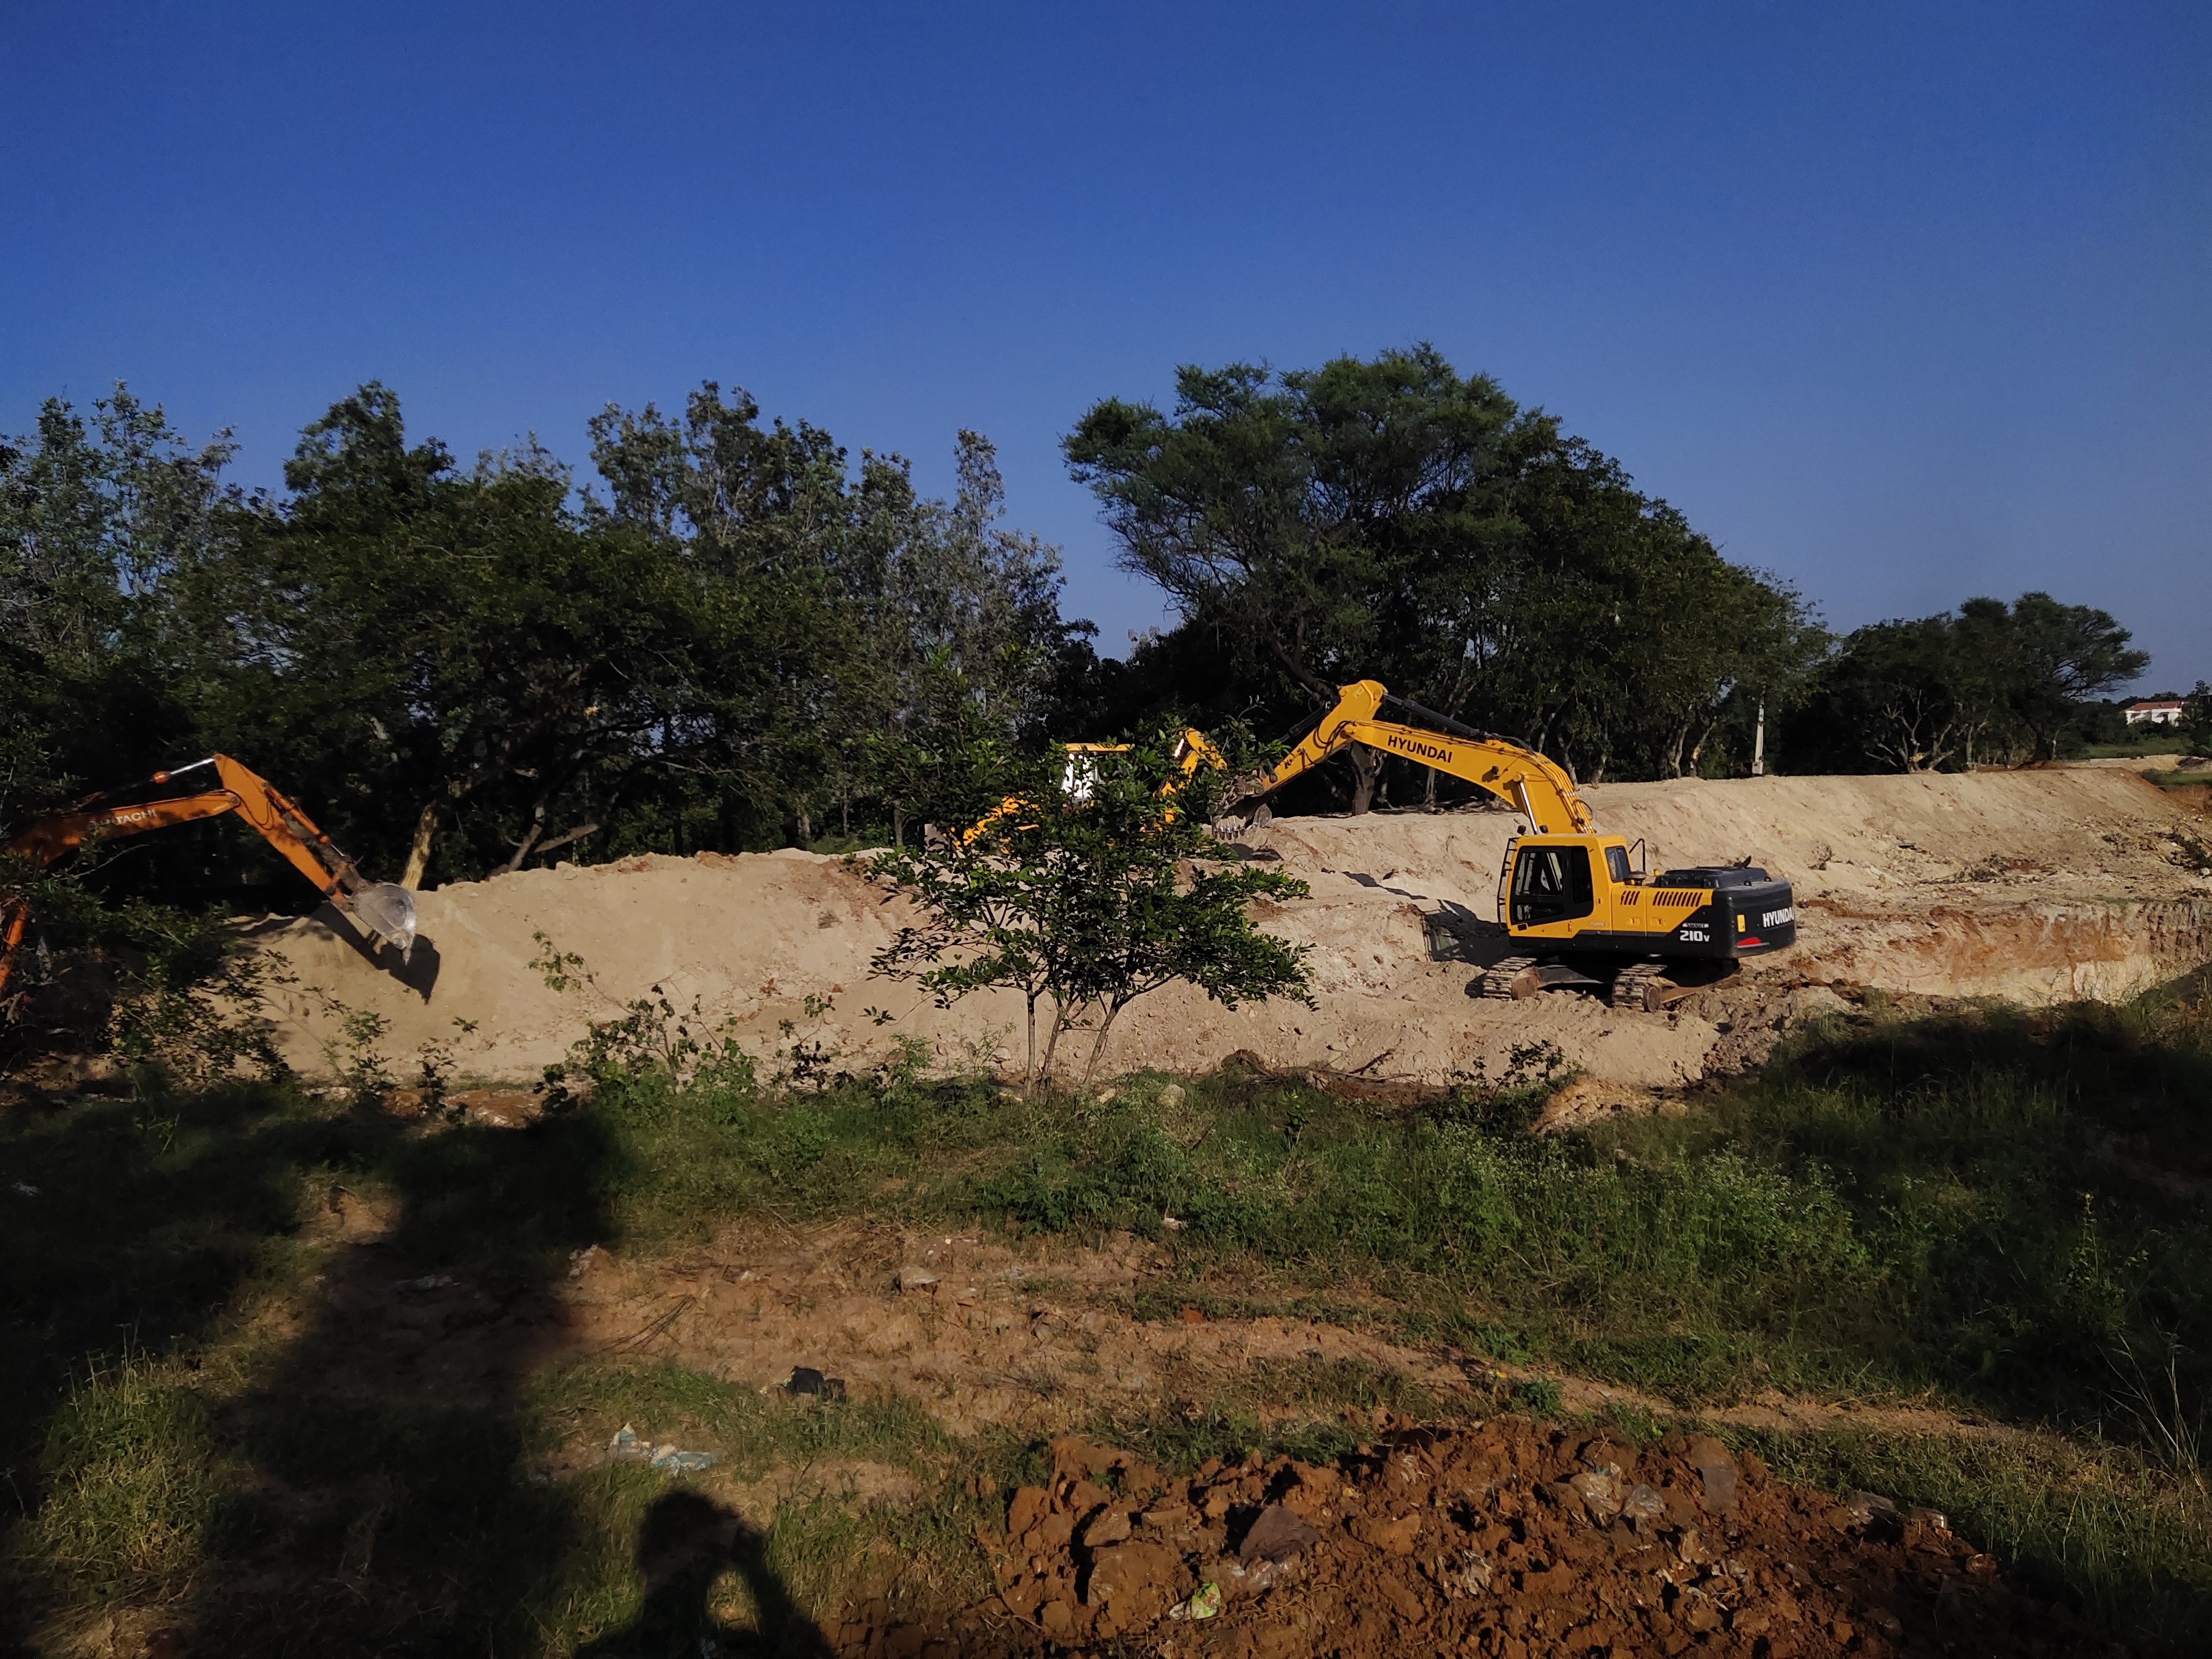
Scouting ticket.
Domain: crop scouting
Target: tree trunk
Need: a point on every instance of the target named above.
(1366, 767)
(418, 851)
(1051, 1046)
(522, 850)
(898, 826)
(1030, 1069)
(1098, 1045)
(1429, 794)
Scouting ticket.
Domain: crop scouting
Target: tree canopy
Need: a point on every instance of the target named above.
(736, 634)
(1394, 519)
(1991, 683)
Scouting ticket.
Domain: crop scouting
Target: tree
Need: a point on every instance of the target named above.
(1394, 519)
(2197, 718)
(1313, 521)
(884, 628)
(95, 517)
(1088, 903)
(424, 643)
(2063, 655)
(1993, 682)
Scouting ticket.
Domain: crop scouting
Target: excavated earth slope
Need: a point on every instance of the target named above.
(1513, 1539)
(2036, 887)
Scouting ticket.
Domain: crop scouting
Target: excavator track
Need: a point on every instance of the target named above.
(1497, 980)
(1639, 987)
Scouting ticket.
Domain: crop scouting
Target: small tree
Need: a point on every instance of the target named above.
(1087, 900)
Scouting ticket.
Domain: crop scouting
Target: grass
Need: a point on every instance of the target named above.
(2000, 1212)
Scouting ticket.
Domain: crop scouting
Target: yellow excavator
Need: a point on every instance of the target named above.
(1192, 750)
(382, 910)
(1578, 913)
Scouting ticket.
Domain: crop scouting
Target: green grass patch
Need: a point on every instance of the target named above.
(2131, 1541)
(2004, 1211)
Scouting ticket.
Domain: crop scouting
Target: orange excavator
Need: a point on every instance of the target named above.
(383, 911)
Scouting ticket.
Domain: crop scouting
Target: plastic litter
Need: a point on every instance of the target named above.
(24, 1188)
(428, 1282)
(630, 1447)
(804, 1379)
(1203, 1605)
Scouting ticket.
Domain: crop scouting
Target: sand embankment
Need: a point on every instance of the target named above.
(2037, 886)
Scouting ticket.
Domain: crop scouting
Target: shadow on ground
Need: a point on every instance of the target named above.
(350, 1470)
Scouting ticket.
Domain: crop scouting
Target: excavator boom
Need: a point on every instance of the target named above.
(1532, 784)
(384, 911)
(1566, 894)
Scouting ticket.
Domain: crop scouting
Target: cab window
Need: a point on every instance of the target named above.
(1551, 883)
(1616, 862)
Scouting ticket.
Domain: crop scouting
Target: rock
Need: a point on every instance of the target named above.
(1111, 1527)
(913, 1280)
(1276, 1534)
(1642, 1508)
(805, 1380)
(1716, 1467)
(1600, 1490)
(1171, 1097)
(1136, 1580)
(1030, 1505)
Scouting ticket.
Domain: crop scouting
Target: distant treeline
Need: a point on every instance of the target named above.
(736, 637)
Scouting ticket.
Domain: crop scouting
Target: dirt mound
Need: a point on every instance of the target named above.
(2037, 886)
(1512, 1539)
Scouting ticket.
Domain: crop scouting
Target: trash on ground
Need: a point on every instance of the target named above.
(1203, 1605)
(630, 1447)
(805, 1380)
(428, 1282)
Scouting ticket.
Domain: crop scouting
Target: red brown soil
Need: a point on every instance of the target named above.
(1514, 1539)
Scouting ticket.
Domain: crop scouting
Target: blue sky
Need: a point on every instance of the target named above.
(1906, 303)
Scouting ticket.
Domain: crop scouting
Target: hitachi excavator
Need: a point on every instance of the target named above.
(382, 910)
(1577, 913)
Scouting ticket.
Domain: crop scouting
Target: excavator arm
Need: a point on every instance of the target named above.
(1532, 785)
(384, 911)
(1192, 750)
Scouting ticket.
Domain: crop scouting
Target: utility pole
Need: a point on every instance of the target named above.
(1759, 743)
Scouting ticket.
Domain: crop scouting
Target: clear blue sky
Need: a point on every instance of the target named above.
(1907, 303)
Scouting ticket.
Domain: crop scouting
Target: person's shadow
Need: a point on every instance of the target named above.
(685, 1544)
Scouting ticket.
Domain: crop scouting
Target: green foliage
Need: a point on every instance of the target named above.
(1087, 894)
(2197, 718)
(2131, 1542)
(1390, 519)
(1993, 682)
(460, 670)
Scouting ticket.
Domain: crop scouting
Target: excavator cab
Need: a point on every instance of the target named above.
(1551, 883)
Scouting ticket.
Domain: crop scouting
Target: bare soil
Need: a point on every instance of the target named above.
(1511, 1538)
(2038, 886)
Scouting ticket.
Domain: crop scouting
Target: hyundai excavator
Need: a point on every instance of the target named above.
(1578, 913)
(383, 911)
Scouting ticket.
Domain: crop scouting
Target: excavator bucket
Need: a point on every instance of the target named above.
(388, 912)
